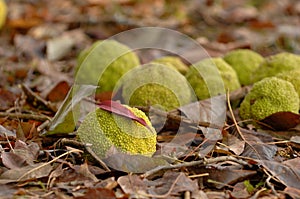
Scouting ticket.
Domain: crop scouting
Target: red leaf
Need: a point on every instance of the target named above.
(282, 120)
(119, 109)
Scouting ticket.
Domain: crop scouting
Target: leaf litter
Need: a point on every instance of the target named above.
(208, 159)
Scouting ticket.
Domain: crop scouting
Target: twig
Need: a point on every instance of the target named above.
(97, 158)
(25, 116)
(47, 163)
(199, 175)
(43, 126)
(66, 141)
(36, 100)
(238, 127)
(187, 195)
(194, 163)
(270, 185)
(178, 118)
(256, 195)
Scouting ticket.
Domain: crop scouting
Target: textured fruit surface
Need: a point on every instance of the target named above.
(276, 64)
(244, 62)
(106, 131)
(156, 85)
(268, 96)
(173, 62)
(104, 64)
(292, 76)
(211, 77)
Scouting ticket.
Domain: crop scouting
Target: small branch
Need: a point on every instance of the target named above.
(177, 118)
(36, 100)
(77, 144)
(194, 163)
(105, 167)
(47, 163)
(25, 116)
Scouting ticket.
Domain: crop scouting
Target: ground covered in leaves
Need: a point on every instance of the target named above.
(40, 43)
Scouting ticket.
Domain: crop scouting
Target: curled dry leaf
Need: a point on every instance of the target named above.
(119, 109)
(282, 120)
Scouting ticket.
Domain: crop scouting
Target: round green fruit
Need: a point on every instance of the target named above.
(106, 131)
(174, 62)
(211, 77)
(244, 62)
(104, 63)
(276, 64)
(156, 85)
(269, 96)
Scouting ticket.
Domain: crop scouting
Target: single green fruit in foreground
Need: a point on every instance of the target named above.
(3, 13)
(269, 96)
(211, 77)
(104, 63)
(244, 62)
(276, 64)
(105, 131)
(156, 85)
(174, 62)
(292, 76)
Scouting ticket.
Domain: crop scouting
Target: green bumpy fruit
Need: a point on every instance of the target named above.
(210, 77)
(269, 96)
(3, 13)
(292, 76)
(156, 85)
(104, 63)
(276, 64)
(106, 131)
(244, 62)
(174, 62)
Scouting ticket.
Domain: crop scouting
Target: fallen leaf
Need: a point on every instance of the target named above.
(29, 46)
(84, 170)
(282, 120)
(7, 99)
(66, 117)
(26, 173)
(133, 163)
(287, 172)
(211, 110)
(259, 149)
(228, 176)
(119, 109)
(233, 143)
(292, 192)
(295, 139)
(59, 46)
(132, 184)
(98, 193)
(7, 190)
(6, 133)
(240, 191)
(173, 183)
(58, 92)
(21, 156)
